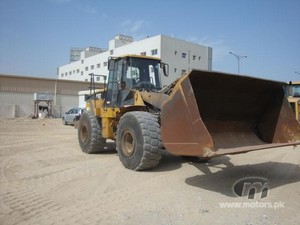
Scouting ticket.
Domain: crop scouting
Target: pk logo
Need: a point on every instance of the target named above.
(250, 186)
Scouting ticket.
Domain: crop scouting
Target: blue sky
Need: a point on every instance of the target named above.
(36, 35)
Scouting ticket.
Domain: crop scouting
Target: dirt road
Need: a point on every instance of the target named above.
(46, 179)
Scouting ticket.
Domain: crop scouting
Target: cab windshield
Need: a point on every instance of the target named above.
(142, 74)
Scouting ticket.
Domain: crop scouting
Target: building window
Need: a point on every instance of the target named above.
(111, 52)
(77, 71)
(86, 68)
(98, 78)
(194, 57)
(70, 73)
(143, 53)
(86, 80)
(98, 65)
(81, 73)
(82, 61)
(105, 64)
(92, 67)
(154, 52)
(175, 70)
(183, 55)
(66, 74)
(175, 52)
(62, 75)
(199, 58)
(182, 72)
(73, 71)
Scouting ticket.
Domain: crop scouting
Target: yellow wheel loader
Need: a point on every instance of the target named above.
(203, 114)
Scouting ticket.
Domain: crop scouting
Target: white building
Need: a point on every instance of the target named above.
(182, 56)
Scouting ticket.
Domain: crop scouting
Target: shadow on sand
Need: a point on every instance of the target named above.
(226, 174)
(219, 174)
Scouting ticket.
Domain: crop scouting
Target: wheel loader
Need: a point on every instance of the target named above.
(202, 114)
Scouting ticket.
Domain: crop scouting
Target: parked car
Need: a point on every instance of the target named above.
(70, 116)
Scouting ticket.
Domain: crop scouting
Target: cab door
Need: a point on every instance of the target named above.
(114, 81)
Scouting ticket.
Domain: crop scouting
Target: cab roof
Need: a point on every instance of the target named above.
(136, 56)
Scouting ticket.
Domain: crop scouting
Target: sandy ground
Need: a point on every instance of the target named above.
(46, 179)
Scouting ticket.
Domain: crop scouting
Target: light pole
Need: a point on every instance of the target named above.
(238, 57)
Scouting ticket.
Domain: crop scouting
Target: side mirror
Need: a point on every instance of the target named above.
(86, 97)
(165, 68)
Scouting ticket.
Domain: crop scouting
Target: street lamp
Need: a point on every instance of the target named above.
(238, 57)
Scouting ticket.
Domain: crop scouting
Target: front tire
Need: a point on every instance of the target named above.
(64, 122)
(89, 134)
(138, 140)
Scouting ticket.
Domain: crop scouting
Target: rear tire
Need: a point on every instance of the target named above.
(89, 134)
(138, 140)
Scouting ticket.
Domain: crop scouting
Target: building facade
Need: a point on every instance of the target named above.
(182, 56)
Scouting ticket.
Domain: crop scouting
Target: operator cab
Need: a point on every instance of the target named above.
(293, 89)
(129, 73)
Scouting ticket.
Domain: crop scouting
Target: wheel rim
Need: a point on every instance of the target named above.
(128, 143)
(84, 134)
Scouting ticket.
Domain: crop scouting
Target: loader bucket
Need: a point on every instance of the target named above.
(210, 114)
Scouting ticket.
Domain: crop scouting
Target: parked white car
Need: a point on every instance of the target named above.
(70, 116)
